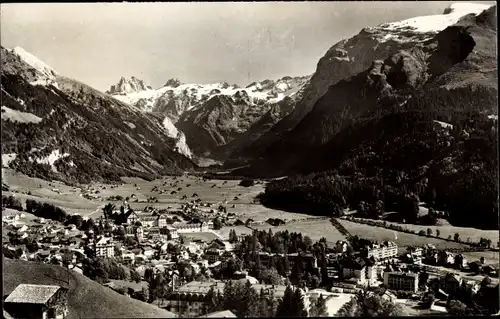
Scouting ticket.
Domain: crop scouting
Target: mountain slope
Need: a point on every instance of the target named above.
(351, 56)
(76, 133)
(86, 298)
(419, 126)
(214, 117)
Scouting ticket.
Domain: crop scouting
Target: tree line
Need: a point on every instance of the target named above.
(244, 301)
(393, 163)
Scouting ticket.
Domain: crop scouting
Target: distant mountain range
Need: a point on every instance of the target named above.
(54, 126)
(214, 118)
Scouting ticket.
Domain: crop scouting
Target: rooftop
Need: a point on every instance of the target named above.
(405, 274)
(32, 294)
(220, 314)
(200, 287)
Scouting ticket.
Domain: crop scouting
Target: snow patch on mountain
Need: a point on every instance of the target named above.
(36, 63)
(52, 158)
(7, 159)
(173, 132)
(45, 82)
(18, 116)
(432, 24)
(444, 124)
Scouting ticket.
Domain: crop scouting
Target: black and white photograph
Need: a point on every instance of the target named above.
(249, 159)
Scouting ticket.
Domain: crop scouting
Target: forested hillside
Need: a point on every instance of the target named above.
(66, 130)
(404, 131)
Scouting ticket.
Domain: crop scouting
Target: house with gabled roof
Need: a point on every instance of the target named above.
(451, 283)
(37, 301)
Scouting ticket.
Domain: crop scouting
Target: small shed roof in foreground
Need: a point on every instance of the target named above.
(32, 294)
(220, 314)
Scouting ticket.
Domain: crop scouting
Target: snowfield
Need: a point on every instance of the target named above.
(430, 24)
(18, 116)
(173, 132)
(36, 63)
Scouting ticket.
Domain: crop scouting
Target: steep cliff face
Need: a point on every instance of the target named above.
(458, 59)
(352, 56)
(54, 127)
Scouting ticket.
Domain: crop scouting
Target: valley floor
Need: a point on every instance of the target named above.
(88, 200)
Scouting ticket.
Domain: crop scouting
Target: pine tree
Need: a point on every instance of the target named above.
(233, 238)
(286, 265)
(228, 296)
(318, 309)
(285, 305)
(267, 304)
(213, 303)
(298, 306)
(250, 301)
(263, 305)
(272, 304)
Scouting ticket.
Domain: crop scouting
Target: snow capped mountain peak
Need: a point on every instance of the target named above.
(126, 86)
(424, 27)
(34, 62)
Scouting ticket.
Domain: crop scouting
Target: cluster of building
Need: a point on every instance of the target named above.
(191, 298)
(154, 233)
(377, 265)
(52, 239)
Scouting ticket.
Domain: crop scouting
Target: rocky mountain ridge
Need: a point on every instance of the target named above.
(352, 56)
(214, 117)
(54, 127)
(461, 56)
(419, 125)
(125, 86)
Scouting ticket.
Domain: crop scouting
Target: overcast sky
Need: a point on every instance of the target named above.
(97, 43)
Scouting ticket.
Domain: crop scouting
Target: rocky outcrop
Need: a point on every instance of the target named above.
(125, 86)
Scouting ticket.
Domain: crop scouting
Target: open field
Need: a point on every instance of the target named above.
(403, 239)
(203, 236)
(240, 230)
(56, 193)
(314, 229)
(70, 198)
(490, 257)
(449, 230)
(218, 192)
